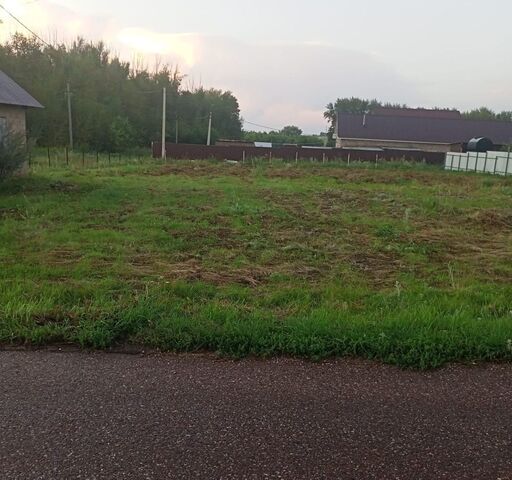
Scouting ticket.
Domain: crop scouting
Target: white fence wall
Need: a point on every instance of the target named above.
(497, 163)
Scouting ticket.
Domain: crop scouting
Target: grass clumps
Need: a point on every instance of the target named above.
(407, 266)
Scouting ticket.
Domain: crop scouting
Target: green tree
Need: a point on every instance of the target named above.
(278, 138)
(482, 113)
(115, 104)
(13, 154)
(122, 134)
(291, 131)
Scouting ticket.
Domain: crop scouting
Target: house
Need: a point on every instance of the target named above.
(417, 129)
(14, 102)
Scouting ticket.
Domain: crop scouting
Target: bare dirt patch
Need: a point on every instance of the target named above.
(492, 219)
(63, 256)
(12, 213)
(201, 169)
(194, 270)
(379, 268)
(66, 187)
(369, 175)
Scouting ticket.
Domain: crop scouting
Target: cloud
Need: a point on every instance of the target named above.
(181, 49)
(277, 84)
(54, 23)
(286, 84)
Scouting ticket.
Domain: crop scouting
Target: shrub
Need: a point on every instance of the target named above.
(13, 154)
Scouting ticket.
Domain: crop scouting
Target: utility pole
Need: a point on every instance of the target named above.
(164, 120)
(177, 128)
(209, 140)
(70, 116)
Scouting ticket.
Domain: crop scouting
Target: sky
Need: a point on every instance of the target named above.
(285, 60)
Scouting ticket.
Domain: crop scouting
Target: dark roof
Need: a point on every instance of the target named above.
(12, 94)
(421, 129)
(417, 112)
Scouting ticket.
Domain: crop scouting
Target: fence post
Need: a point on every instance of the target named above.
(485, 163)
(508, 161)
(458, 165)
(243, 156)
(83, 159)
(297, 157)
(67, 156)
(323, 159)
(49, 157)
(109, 157)
(348, 160)
(270, 158)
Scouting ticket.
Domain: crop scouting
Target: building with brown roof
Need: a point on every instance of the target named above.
(417, 129)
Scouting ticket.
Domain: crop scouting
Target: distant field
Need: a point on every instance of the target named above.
(408, 265)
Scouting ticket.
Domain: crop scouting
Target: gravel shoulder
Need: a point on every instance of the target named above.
(77, 415)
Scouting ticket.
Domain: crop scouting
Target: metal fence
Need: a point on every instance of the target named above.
(63, 157)
(292, 153)
(497, 163)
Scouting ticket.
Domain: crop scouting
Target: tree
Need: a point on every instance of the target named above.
(122, 134)
(505, 116)
(278, 138)
(291, 131)
(13, 154)
(115, 105)
(482, 113)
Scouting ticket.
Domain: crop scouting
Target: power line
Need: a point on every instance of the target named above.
(24, 26)
(261, 126)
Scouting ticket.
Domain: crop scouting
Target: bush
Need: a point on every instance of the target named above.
(13, 154)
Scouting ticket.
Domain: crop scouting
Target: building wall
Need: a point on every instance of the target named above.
(426, 147)
(16, 123)
(15, 116)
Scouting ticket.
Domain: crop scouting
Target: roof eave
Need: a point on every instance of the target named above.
(20, 105)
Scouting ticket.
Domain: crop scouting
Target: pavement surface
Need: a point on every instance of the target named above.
(109, 416)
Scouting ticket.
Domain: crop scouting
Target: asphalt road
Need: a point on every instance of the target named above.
(108, 416)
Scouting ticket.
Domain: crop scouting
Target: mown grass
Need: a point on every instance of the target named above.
(405, 264)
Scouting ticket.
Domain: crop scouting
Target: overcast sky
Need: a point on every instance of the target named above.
(286, 59)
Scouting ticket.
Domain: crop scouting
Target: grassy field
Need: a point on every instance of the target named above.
(408, 265)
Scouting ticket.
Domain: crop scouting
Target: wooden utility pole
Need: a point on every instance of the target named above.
(164, 120)
(209, 140)
(177, 128)
(70, 116)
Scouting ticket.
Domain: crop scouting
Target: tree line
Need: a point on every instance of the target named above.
(116, 106)
(291, 134)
